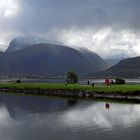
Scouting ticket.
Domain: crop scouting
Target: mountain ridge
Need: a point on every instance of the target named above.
(46, 60)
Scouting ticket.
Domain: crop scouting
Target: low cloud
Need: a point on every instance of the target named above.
(106, 42)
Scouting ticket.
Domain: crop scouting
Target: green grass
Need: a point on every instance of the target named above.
(56, 86)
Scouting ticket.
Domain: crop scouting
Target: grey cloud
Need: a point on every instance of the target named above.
(44, 15)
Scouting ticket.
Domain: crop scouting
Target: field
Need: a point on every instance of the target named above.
(98, 88)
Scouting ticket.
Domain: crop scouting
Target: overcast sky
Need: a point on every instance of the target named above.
(108, 27)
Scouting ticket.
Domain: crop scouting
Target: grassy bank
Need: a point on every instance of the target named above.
(129, 93)
(97, 88)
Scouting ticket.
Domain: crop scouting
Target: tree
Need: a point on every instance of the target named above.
(72, 77)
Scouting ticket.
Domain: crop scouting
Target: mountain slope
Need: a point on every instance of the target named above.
(95, 59)
(45, 60)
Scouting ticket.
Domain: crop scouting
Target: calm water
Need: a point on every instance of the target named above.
(43, 118)
(81, 81)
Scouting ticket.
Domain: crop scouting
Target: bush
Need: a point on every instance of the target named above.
(18, 81)
(119, 81)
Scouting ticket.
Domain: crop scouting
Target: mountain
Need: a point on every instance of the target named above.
(20, 43)
(1, 58)
(95, 59)
(41, 60)
(128, 68)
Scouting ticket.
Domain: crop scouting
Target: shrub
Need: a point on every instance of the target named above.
(119, 81)
(18, 81)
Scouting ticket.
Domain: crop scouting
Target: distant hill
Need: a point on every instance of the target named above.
(114, 61)
(48, 60)
(129, 68)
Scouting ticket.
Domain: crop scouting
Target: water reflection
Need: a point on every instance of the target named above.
(96, 115)
(34, 118)
(107, 105)
(72, 102)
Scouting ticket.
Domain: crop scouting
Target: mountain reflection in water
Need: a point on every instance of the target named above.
(41, 118)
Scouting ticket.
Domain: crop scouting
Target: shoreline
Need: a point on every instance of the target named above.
(76, 94)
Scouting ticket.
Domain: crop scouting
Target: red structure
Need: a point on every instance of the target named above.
(107, 82)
